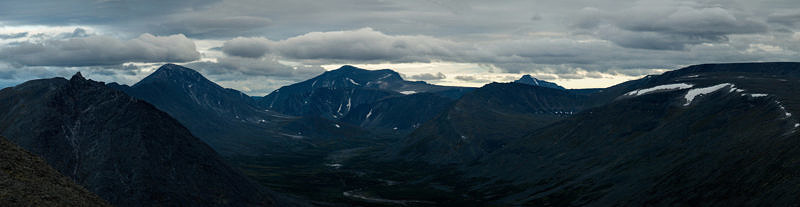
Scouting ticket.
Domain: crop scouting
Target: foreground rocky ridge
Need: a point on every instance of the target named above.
(27, 180)
(123, 149)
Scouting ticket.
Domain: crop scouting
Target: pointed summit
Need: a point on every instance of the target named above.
(174, 73)
(170, 69)
(530, 80)
(77, 77)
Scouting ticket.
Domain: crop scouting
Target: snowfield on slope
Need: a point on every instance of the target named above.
(668, 87)
(702, 91)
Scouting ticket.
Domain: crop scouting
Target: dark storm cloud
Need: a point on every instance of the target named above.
(428, 76)
(101, 50)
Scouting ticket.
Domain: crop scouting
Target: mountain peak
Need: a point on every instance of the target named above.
(530, 80)
(77, 77)
(349, 72)
(349, 67)
(174, 73)
(174, 69)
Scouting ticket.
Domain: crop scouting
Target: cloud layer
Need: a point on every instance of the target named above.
(278, 42)
(101, 50)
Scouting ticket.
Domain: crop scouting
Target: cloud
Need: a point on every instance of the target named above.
(200, 26)
(101, 50)
(785, 18)
(246, 47)
(667, 25)
(13, 35)
(467, 78)
(428, 76)
(93, 12)
(365, 44)
(255, 76)
(475, 79)
(538, 37)
(256, 67)
(77, 33)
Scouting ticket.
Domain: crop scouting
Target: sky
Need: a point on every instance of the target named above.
(257, 46)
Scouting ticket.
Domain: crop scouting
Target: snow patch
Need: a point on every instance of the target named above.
(348, 104)
(337, 126)
(756, 95)
(796, 125)
(354, 82)
(384, 76)
(693, 76)
(408, 92)
(703, 91)
(676, 86)
(293, 136)
(786, 113)
(368, 114)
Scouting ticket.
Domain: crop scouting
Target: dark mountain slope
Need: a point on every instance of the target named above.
(399, 114)
(335, 93)
(286, 153)
(227, 119)
(736, 143)
(121, 148)
(485, 119)
(27, 180)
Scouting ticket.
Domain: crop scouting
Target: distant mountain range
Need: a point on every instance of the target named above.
(713, 134)
(230, 121)
(716, 134)
(334, 94)
(484, 120)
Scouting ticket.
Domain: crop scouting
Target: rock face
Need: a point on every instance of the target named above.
(530, 80)
(27, 180)
(123, 149)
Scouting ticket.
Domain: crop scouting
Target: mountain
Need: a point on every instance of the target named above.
(335, 93)
(284, 152)
(230, 121)
(123, 149)
(485, 119)
(27, 180)
(714, 134)
(529, 80)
